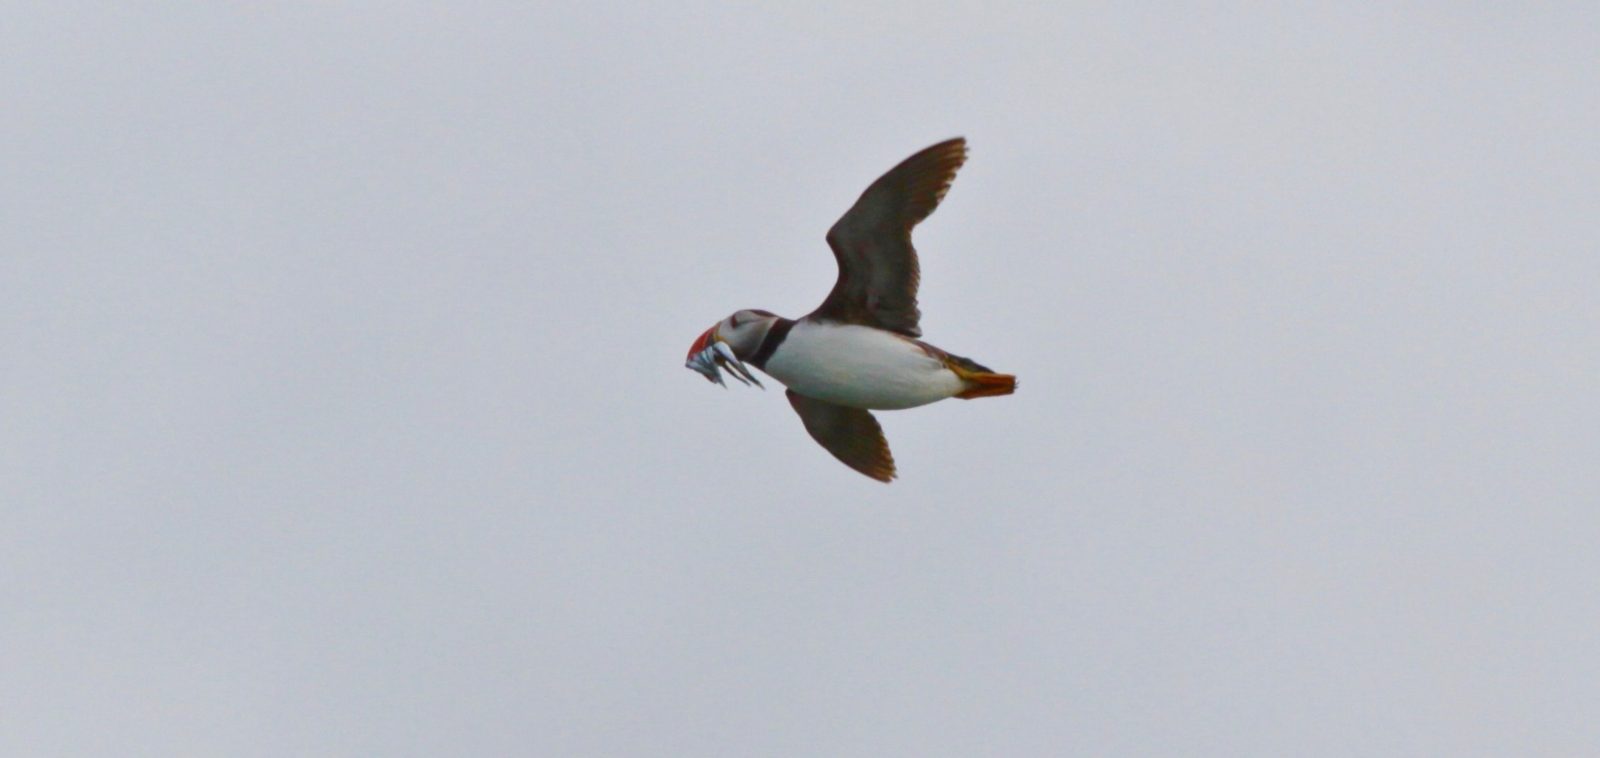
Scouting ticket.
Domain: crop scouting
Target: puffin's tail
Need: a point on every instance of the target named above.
(988, 385)
(979, 379)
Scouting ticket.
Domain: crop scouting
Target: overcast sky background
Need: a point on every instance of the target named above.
(343, 410)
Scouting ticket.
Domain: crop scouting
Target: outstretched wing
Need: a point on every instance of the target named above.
(878, 273)
(851, 434)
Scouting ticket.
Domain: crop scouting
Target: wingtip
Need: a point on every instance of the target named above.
(884, 473)
(956, 145)
(954, 149)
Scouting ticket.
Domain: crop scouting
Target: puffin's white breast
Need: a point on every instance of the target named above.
(860, 367)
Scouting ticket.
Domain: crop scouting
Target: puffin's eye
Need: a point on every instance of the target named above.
(733, 321)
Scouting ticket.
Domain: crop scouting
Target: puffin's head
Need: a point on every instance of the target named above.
(729, 343)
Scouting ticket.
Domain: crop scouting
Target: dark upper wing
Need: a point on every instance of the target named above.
(878, 275)
(851, 434)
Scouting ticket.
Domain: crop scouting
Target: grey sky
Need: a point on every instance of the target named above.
(342, 405)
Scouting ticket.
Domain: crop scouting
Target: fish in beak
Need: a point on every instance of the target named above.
(709, 353)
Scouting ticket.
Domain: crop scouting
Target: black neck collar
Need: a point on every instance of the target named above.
(769, 344)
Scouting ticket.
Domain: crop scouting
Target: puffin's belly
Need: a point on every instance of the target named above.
(860, 367)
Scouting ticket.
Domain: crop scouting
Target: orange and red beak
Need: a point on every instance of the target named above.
(700, 343)
(709, 354)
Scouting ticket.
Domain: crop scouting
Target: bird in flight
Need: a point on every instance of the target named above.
(859, 351)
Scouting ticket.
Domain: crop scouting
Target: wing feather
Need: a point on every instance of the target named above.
(878, 273)
(851, 434)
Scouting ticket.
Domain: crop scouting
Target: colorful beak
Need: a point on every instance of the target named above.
(700, 358)
(709, 353)
(700, 343)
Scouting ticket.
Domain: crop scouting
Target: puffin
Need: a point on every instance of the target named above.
(860, 351)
